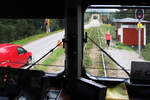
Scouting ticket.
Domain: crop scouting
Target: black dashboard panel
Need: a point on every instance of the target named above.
(22, 77)
(14, 82)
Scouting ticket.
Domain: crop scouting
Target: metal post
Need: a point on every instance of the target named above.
(139, 40)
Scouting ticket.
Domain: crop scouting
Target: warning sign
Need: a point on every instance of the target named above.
(59, 43)
(139, 25)
(109, 25)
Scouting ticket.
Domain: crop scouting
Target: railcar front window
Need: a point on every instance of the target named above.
(38, 37)
(116, 31)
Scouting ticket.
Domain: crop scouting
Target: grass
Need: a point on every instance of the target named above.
(94, 34)
(33, 38)
(146, 52)
(120, 45)
(88, 46)
(50, 59)
(104, 29)
(101, 70)
(87, 59)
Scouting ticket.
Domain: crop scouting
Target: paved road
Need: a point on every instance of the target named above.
(43, 45)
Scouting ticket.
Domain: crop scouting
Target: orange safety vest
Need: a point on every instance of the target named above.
(107, 36)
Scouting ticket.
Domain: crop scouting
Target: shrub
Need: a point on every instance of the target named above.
(146, 52)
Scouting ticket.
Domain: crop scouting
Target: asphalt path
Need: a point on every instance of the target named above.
(42, 46)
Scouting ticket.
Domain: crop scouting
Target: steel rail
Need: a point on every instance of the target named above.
(102, 55)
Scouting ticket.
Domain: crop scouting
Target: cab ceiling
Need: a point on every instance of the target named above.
(54, 8)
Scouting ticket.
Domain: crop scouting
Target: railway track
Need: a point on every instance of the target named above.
(102, 54)
(110, 68)
(98, 68)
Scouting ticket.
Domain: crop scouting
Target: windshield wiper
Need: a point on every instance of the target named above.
(44, 55)
(109, 56)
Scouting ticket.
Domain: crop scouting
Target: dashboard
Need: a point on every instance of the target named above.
(20, 82)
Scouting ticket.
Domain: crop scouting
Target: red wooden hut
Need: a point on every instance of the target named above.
(127, 32)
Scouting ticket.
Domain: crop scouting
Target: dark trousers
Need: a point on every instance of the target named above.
(108, 42)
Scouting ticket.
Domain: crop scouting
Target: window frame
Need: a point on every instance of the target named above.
(20, 53)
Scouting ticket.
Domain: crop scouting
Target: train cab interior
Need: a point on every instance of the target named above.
(73, 83)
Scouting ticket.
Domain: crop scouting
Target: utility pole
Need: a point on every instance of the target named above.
(47, 23)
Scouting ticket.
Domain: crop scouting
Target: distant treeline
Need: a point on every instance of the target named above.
(16, 29)
(106, 17)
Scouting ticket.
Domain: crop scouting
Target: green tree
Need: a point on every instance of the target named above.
(15, 29)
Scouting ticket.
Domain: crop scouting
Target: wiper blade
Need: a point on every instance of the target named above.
(109, 56)
(44, 55)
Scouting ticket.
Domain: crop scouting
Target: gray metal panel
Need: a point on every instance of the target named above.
(140, 71)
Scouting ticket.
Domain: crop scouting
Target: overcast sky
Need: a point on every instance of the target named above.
(102, 10)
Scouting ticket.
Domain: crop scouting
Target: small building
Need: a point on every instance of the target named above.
(127, 32)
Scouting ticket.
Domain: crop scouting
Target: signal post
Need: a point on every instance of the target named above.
(139, 14)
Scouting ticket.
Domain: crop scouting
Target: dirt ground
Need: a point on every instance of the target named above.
(96, 69)
(95, 61)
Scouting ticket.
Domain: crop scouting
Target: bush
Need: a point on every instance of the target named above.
(120, 45)
(146, 52)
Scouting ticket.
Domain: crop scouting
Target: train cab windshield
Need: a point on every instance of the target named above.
(98, 53)
(117, 32)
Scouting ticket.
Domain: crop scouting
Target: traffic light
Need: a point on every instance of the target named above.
(139, 14)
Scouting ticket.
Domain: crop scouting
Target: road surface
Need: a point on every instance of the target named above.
(42, 46)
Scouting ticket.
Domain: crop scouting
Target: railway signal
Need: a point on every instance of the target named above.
(139, 14)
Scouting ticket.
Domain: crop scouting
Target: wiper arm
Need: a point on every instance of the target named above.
(109, 56)
(44, 55)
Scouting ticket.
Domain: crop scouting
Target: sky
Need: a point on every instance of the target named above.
(102, 10)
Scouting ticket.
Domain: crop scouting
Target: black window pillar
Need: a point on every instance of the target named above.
(73, 38)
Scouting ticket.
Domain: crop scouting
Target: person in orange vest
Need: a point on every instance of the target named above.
(108, 37)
